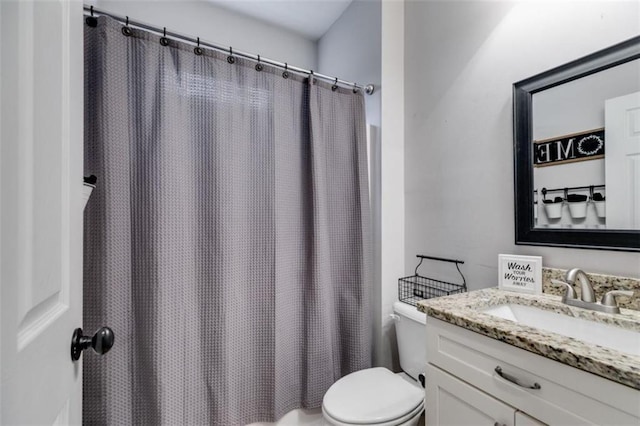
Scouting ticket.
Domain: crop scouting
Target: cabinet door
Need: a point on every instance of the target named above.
(452, 402)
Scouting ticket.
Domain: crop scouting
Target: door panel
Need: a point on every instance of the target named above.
(622, 161)
(41, 113)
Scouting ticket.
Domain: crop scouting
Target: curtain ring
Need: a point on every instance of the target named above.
(164, 40)
(312, 79)
(126, 30)
(259, 66)
(91, 20)
(335, 85)
(197, 50)
(285, 74)
(231, 59)
(355, 88)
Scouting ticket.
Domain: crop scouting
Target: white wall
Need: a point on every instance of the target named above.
(219, 26)
(350, 50)
(462, 59)
(392, 170)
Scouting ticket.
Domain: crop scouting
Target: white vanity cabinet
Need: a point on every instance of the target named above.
(463, 387)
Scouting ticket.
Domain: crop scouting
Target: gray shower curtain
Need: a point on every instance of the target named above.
(228, 240)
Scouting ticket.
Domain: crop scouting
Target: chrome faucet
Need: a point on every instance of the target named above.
(586, 290)
(608, 304)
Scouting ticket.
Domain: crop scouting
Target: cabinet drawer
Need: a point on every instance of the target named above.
(451, 401)
(566, 396)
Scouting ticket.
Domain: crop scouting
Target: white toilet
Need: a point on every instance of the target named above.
(376, 396)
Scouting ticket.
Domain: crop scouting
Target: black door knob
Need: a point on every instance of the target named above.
(101, 342)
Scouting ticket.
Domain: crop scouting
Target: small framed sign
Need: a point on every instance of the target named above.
(522, 274)
(581, 146)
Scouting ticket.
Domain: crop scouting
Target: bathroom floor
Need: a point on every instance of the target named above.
(307, 418)
(298, 417)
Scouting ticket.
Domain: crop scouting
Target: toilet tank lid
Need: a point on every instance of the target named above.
(409, 311)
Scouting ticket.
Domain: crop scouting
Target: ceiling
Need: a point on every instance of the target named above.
(310, 18)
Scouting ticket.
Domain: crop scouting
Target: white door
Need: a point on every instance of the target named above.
(41, 113)
(622, 161)
(452, 402)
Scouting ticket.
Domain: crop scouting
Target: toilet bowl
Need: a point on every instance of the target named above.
(377, 396)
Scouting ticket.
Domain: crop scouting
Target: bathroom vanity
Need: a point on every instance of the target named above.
(492, 359)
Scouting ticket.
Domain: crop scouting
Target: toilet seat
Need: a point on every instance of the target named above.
(407, 419)
(374, 396)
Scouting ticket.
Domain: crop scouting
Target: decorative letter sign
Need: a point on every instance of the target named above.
(522, 274)
(567, 149)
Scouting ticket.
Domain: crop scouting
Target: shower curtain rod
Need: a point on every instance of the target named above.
(368, 88)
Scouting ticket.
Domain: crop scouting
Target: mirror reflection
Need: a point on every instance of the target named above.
(586, 151)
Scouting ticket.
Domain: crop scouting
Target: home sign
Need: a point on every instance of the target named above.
(522, 274)
(569, 148)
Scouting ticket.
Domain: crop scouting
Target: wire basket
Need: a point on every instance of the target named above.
(414, 288)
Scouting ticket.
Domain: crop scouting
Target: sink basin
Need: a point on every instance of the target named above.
(608, 336)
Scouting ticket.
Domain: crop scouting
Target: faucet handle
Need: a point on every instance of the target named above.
(609, 298)
(570, 293)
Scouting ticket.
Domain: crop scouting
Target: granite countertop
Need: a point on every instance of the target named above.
(464, 310)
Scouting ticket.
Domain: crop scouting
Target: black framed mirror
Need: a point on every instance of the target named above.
(574, 184)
